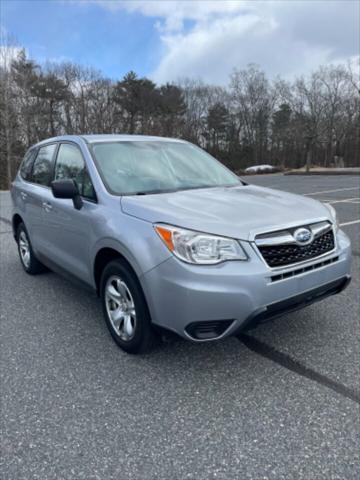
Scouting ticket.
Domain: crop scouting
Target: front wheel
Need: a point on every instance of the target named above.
(125, 309)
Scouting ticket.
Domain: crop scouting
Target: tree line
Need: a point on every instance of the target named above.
(254, 120)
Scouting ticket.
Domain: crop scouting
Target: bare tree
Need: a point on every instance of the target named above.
(253, 101)
(8, 118)
(314, 119)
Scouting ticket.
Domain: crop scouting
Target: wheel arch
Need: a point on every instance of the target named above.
(103, 256)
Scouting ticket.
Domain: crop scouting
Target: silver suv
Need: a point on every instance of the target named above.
(170, 238)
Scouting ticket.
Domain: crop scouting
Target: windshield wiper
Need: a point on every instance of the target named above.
(209, 186)
(153, 192)
(179, 189)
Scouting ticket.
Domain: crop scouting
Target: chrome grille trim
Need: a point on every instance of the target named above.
(318, 228)
(284, 237)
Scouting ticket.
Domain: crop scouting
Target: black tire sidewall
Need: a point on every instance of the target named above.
(144, 335)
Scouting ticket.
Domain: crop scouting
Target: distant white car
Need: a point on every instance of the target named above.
(260, 169)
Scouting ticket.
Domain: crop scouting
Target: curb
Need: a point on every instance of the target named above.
(350, 172)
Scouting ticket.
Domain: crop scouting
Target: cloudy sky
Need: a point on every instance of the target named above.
(168, 40)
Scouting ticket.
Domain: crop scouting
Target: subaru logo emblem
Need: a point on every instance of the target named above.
(303, 236)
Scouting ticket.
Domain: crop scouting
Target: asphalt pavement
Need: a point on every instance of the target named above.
(280, 403)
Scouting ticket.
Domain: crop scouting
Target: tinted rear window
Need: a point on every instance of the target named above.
(26, 164)
(42, 168)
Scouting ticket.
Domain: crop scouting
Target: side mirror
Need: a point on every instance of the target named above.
(67, 189)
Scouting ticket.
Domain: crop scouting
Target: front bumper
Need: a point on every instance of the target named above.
(297, 302)
(224, 299)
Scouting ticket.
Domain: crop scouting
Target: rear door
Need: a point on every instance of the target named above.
(69, 231)
(21, 188)
(31, 193)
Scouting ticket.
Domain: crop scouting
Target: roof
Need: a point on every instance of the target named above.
(110, 138)
(126, 138)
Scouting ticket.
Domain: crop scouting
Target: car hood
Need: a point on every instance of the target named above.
(238, 212)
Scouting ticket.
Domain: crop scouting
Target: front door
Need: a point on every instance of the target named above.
(69, 231)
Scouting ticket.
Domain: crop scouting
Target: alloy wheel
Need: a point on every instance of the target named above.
(120, 308)
(24, 249)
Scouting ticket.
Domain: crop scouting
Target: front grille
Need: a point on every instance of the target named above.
(282, 255)
(307, 268)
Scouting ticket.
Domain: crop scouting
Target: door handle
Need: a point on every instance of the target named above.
(47, 206)
(23, 195)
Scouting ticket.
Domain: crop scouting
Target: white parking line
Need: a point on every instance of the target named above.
(331, 191)
(346, 200)
(349, 223)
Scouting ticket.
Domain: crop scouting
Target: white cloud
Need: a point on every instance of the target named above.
(208, 39)
(175, 9)
(175, 12)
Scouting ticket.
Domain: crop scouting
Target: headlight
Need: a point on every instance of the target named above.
(333, 215)
(199, 248)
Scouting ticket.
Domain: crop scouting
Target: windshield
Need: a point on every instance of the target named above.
(142, 167)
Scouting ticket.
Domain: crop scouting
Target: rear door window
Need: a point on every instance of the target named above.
(26, 164)
(42, 169)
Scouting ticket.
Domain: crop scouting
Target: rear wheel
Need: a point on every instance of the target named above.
(27, 256)
(125, 309)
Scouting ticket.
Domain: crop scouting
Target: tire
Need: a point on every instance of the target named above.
(29, 262)
(125, 309)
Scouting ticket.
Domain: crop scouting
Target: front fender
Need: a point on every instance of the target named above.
(137, 241)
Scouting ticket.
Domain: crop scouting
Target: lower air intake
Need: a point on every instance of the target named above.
(207, 330)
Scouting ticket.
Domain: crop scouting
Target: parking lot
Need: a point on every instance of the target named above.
(281, 402)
